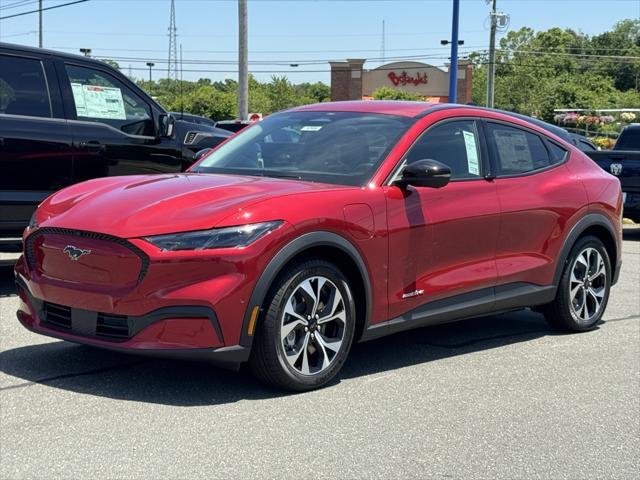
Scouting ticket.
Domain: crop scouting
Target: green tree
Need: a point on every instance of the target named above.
(218, 100)
(112, 63)
(539, 72)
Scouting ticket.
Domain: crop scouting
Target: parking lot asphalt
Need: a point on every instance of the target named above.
(496, 397)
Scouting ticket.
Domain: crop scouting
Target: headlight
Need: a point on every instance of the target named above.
(228, 237)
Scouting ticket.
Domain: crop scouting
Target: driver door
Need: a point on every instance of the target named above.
(442, 242)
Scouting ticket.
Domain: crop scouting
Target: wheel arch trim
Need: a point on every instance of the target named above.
(586, 222)
(285, 255)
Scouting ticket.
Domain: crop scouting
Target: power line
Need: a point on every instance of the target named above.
(21, 3)
(42, 10)
(567, 54)
(467, 49)
(261, 62)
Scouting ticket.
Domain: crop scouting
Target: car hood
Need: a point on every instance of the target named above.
(137, 206)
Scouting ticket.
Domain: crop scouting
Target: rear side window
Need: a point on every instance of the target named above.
(100, 97)
(23, 87)
(518, 151)
(558, 154)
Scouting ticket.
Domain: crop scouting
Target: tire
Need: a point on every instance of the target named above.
(301, 343)
(581, 300)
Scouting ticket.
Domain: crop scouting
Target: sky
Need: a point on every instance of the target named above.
(304, 32)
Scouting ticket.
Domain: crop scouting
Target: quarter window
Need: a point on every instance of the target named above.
(453, 143)
(100, 97)
(518, 151)
(23, 87)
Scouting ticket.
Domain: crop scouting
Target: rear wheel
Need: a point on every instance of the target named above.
(307, 331)
(584, 288)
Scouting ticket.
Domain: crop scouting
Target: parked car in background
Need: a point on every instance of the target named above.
(233, 125)
(197, 119)
(583, 143)
(377, 217)
(196, 137)
(623, 161)
(66, 118)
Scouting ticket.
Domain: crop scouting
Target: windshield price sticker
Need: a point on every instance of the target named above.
(93, 101)
(472, 153)
(311, 128)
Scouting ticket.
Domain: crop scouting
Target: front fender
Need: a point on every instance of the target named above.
(286, 254)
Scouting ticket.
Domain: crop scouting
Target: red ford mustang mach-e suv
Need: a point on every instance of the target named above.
(322, 226)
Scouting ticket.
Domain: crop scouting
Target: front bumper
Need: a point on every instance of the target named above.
(190, 332)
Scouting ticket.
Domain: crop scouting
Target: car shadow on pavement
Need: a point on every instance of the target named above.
(82, 369)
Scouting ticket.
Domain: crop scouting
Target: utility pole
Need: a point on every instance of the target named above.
(243, 61)
(383, 50)
(150, 65)
(453, 68)
(40, 23)
(491, 72)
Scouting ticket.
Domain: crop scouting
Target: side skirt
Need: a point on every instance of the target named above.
(500, 299)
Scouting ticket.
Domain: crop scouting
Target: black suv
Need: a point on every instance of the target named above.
(66, 118)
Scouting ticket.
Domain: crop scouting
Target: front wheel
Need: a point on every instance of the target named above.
(307, 330)
(584, 288)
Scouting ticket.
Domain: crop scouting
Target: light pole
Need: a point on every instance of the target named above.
(243, 60)
(491, 71)
(40, 23)
(86, 52)
(150, 65)
(453, 69)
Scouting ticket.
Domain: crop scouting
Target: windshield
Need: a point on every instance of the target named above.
(343, 148)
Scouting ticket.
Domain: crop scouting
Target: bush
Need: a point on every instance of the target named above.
(386, 93)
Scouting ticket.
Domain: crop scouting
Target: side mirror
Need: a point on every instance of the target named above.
(166, 124)
(201, 153)
(425, 173)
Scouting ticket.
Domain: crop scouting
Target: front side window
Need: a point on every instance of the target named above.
(100, 97)
(23, 87)
(454, 143)
(518, 151)
(343, 148)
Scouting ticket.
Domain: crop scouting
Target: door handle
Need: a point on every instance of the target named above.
(93, 146)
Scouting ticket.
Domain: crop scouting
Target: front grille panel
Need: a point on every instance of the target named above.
(114, 327)
(104, 326)
(58, 316)
(30, 250)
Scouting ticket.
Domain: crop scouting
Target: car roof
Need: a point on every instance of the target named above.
(389, 107)
(54, 53)
(419, 110)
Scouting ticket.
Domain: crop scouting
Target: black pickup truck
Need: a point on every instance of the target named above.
(624, 162)
(66, 118)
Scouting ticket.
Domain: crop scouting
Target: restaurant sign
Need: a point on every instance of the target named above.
(406, 79)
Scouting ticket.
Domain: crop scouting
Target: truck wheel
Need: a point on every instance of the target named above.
(583, 291)
(306, 334)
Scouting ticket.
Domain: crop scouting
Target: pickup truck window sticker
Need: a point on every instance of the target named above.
(94, 101)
